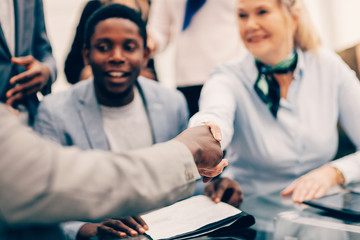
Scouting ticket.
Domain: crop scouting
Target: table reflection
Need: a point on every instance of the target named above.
(265, 207)
(279, 218)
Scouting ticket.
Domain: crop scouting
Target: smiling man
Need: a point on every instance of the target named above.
(115, 110)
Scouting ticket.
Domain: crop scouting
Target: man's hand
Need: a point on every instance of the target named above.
(205, 149)
(225, 190)
(27, 83)
(312, 185)
(113, 228)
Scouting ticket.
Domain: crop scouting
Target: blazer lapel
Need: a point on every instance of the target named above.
(154, 108)
(19, 23)
(6, 70)
(91, 118)
(4, 49)
(25, 21)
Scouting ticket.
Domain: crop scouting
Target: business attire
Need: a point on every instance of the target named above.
(74, 117)
(48, 184)
(267, 153)
(30, 39)
(210, 38)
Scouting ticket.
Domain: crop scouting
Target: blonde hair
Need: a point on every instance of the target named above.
(306, 37)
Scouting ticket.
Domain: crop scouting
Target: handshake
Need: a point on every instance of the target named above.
(203, 143)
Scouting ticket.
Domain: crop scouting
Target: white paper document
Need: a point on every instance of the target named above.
(186, 216)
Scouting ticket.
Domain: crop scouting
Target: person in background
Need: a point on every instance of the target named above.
(204, 32)
(75, 68)
(115, 110)
(278, 107)
(351, 57)
(49, 184)
(27, 64)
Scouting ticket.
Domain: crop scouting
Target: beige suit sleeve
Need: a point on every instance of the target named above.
(41, 182)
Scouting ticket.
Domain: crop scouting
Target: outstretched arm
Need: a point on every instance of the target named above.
(51, 184)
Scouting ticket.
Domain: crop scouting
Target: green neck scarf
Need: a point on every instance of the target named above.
(267, 87)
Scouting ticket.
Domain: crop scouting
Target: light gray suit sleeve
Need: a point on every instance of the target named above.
(42, 182)
(46, 125)
(183, 112)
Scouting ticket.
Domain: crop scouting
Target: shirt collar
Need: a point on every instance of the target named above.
(252, 72)
(299, 70)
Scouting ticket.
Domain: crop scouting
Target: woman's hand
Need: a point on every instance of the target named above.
(313, 184)
(210, 173)
(214, 129)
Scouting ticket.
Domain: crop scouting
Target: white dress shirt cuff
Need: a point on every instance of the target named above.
(349, 166)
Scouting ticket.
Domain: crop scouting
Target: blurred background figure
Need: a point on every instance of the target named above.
(204, 32)
(62, 17)
(75, 68)
(351, 57)
(27, 65)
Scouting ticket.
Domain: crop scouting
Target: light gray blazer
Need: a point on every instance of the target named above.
(42, 183)
(74, 117)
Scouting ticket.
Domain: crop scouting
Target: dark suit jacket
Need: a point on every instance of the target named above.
(30, 39)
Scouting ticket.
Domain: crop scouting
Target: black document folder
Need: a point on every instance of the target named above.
(236, 222)
(194, 217)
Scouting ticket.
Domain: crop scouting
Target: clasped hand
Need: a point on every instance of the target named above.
(205, 150)
(222, 189)
(27, 83)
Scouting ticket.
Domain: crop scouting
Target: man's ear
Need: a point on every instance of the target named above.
(147, 55)
(86, 53)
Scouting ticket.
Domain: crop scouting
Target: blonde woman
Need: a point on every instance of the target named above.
(277, 108)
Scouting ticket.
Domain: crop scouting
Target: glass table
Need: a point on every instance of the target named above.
(278, 218)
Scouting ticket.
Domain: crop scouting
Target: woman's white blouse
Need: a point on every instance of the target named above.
(266, 153)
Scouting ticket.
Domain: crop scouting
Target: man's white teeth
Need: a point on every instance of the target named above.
(116, 74)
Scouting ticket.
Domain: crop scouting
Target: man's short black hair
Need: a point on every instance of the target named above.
(113, 11)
